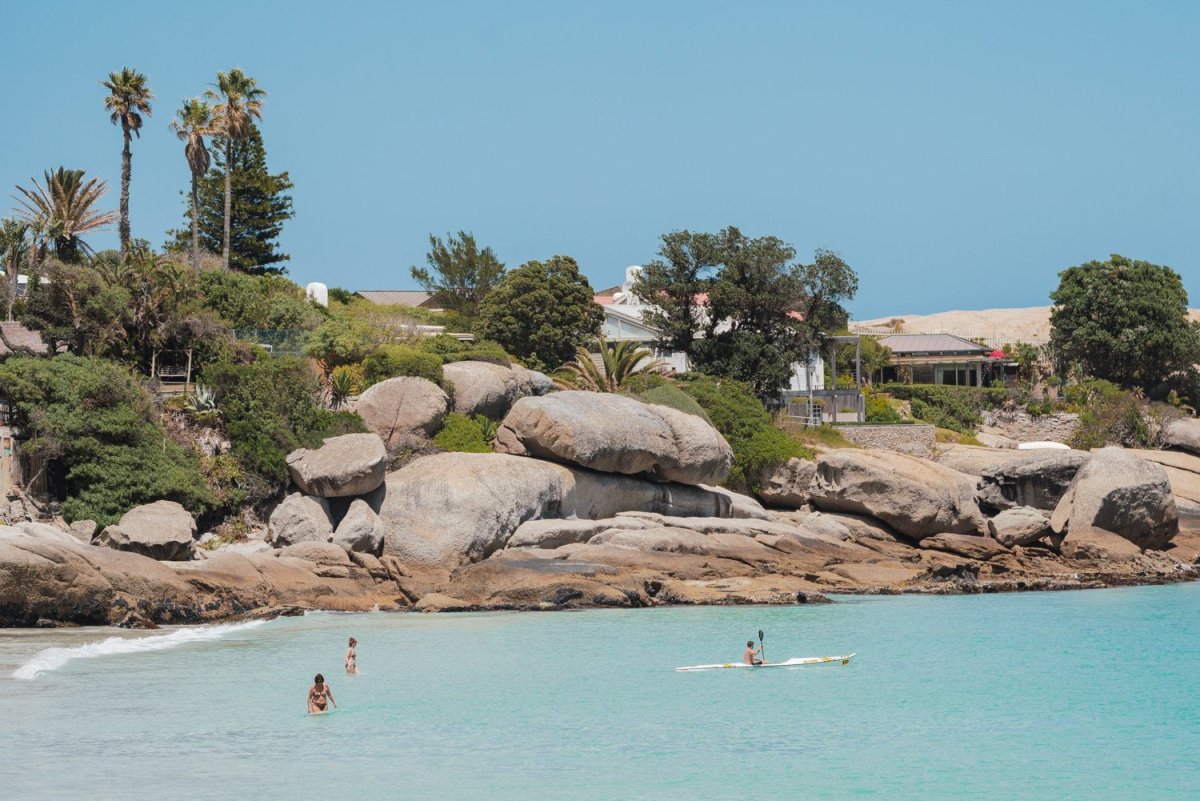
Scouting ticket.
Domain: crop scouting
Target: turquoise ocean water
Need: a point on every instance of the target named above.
(1082, 695)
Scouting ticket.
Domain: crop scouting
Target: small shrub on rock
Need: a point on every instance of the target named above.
(464, 434)
(391, 361)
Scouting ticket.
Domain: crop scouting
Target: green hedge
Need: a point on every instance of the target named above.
(735, 411)
(390, 361)
(955, 408)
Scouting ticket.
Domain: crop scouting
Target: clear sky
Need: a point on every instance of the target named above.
(958, 155)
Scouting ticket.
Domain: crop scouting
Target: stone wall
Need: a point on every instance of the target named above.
(1021, 426)
(914, 439)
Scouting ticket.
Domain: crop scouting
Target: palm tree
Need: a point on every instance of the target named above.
(619, 362)
(61, 212)
(14, 245)
(237, 103)
(195, 121)
(128, 99)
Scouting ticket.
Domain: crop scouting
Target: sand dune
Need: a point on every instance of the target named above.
(996, 326)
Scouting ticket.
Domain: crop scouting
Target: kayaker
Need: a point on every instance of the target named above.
(748, 658)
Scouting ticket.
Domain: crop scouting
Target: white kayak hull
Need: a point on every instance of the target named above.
(792, 663)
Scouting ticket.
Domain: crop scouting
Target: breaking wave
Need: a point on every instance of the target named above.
(53, 658)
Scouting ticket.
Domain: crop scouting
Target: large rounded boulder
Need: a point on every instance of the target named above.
(449, 509)
(1120, 493)
(616, 434)
(490, 389)
(300, 518)
(403, 411)
(343, 467)
(917, 498)
(162, 530)
(1039, 482)
(1183, 433)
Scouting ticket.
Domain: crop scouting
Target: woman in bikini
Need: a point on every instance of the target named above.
(352, 657)
(319, 696)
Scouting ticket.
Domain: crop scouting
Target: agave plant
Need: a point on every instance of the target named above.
(342, 384)
(202, 400)
(618, 362)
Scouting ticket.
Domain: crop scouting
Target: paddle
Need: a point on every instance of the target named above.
(761, 647)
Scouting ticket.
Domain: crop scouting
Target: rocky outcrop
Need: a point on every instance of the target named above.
(345, 466)
(451, 508)
(84, 530)
(162, 530)
(968, 545)
(1095, 544)
(555, 533)
(491, 389)
(359, 529)
(1118, 492)
(917, 498)
(322, 559)
(788, 485)
(403, 411)
(300, 518)
(1022, 525)
(1183, 433)
(615, 434)
(1039, 481)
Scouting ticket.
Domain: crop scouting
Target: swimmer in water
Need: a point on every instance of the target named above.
(352, 657)
(320, 696)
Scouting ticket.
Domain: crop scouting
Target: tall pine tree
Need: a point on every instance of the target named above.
(261, 205)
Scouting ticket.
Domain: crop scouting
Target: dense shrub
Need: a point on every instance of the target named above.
(258, 301)
(880, 411)
(955, 408)
(451, 349)
(390, 361)
(1109, 415)
(652, 388)
(99, 432)
(270, 408)
(734, 410)
(466, 434)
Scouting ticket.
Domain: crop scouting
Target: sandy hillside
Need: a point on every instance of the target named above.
(997, 326)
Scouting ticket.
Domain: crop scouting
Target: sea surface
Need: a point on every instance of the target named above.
(1075, 695)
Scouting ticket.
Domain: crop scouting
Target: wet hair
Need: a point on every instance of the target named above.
(353, 641)
(750, 644)
(318, 679)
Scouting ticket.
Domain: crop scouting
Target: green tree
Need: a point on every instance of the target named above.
(1124, 321)
(14, 245)
(620, 362)
(541, 312)
(270, 408)
(673, 284)
(237, 102)
(128, 99)
(60, 212)
(260, 206)
(459, 274)
(98, 431)
(751, 334)
(269, 302)
(194, 122)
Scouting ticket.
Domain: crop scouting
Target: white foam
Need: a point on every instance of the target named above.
(54, 658)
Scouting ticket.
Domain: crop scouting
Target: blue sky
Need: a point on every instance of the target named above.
(958, 155)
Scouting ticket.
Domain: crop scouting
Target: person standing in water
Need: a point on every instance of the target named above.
(320, 696)
(352, 657)
(748, 656)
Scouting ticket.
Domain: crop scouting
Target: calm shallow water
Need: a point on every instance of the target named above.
(1036, 696)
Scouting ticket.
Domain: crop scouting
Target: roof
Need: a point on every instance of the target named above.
(394, 297)
(15, 337)
(918, 344)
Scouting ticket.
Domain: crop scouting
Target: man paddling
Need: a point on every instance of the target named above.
(748, 657)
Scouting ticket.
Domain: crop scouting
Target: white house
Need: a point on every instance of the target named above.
(624, 322)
